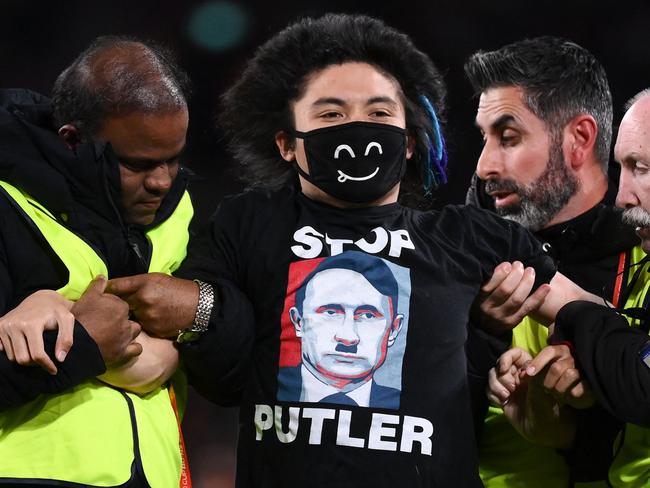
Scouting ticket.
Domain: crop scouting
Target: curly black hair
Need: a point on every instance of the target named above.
(258, 105)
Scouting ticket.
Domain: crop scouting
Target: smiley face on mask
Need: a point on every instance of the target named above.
(355, 162)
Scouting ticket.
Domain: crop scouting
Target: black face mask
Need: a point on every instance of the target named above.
(357, 162)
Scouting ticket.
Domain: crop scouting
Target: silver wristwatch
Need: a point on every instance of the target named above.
(202, 315)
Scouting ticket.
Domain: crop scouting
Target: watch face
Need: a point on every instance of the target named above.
(187, 336)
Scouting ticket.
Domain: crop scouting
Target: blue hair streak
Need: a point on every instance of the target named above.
(435, 171)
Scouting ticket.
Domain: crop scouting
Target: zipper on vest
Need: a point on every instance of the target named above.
(135, 244)
(136, 248)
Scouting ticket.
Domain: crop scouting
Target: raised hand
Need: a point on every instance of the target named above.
(505, 299)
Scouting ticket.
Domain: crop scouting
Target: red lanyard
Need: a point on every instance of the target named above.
(186, 479)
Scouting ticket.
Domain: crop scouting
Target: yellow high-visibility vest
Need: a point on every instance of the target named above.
(506, 459)
(503, 448)
(95, 434)
(631, 465)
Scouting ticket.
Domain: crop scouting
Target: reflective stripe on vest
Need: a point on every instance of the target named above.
(86, 435)
(631, 466)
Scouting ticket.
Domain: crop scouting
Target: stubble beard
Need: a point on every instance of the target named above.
(542, 199)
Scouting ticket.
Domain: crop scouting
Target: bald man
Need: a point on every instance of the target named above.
(91, 185)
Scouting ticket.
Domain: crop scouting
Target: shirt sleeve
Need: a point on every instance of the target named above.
(217, 364)
(610, 355)
(489, 240)
(214, 252)
(482, 350)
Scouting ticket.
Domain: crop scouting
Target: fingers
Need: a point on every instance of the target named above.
(506, 298)
(579, 390)
(545, 357)
(96, 287)
(515, 288)
(562, 377)
(125, 286)
(25, 346)
(15, 344)
(515, 357)
(564, 382)
(7, 345)
(520, 305)
(497, 393)
(135, 329)
(64, 338)
(28, 348)
(21, 329)
(132, 350)
(501, 272)
(581, 396)
(517, 280)
(36, 353)
(500, 387)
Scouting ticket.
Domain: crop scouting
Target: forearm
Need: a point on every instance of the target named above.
(146, 372)
(562, 292)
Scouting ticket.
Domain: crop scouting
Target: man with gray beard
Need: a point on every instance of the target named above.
(632, 151)
(613, 353)
(542, 199)
(545, 115)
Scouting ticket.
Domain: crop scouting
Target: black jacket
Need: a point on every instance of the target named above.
(607, 350)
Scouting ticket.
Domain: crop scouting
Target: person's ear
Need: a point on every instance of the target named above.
(286, 145)
(70, 135)
(395, 328)
(296, 320)
(580, 136)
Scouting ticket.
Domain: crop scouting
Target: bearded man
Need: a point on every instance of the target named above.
(545, 114)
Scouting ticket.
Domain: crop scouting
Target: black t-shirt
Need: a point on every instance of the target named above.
(358, 373)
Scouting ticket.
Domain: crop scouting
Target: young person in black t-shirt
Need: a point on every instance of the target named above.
(350, 371)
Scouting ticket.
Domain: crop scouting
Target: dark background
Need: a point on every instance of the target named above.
(212, 40)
